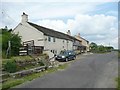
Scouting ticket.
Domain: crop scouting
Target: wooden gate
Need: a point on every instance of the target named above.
(28, 48)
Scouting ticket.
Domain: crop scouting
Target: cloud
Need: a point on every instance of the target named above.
(60, 0)
(114, 13)
(58, 25)
(56, 10)
(96, 24)
(100, 29)
(41, 10)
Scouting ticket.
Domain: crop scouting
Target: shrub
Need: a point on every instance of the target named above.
(41, 63)
(15, 41)
(46, 56)
(10, 66)
(22, 58)
(3, 54)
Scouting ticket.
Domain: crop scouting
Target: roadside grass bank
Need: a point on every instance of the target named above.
(118, 79)
(118, 83)
(18, 63)
(119, 54)
(101, 52)
(14, 82)
(0, 57)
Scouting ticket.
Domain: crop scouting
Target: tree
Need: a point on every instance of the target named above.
(14, 41)
(101, 48)
(93, 47)
(109, 48)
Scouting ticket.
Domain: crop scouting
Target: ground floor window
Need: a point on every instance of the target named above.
(54, 51)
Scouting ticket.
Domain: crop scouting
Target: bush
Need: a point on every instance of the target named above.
(10, 66)
(22, 58)
(15, 41)
(41, 63)
(3, 54)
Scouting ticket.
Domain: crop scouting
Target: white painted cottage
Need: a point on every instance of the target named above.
(43, 38)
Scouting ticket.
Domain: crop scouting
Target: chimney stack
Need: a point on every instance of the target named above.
(78, 34)
(68, 32)
(24, 18)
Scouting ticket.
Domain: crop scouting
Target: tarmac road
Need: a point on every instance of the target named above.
(88, 71)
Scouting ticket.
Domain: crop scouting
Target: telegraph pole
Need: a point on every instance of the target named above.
(9, 49)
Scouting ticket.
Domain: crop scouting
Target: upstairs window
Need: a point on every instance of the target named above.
(49, 38)
(53, 39)
(67, 41)
(63, 41)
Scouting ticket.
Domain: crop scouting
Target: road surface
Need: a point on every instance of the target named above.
(89, 71)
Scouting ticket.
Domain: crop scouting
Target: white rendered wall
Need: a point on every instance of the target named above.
(30, 33)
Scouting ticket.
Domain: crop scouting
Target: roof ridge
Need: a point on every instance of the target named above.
(48, 31)
(48, 28)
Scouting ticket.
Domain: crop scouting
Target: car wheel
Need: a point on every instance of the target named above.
(66, 59)
(74, 58)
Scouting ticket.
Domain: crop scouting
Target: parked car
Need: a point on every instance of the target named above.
(66, 55)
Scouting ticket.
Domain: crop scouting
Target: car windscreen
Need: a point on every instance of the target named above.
(63, 52)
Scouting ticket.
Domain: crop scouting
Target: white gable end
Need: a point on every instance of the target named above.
(30, 33)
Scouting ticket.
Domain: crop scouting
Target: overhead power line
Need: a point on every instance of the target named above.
(4, 13)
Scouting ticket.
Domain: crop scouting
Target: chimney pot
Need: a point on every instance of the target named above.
(23, 13)
(69, 33)
(79, 34)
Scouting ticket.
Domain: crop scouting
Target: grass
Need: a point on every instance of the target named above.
(0, 46)
(13, 82)
(0, 38)
(17, 58)
(0, 51)
(118, 83)
(21, 58)
(118, 54)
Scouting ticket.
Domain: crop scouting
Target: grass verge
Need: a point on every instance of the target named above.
(13, 82)
(118, 83)
(119, 54)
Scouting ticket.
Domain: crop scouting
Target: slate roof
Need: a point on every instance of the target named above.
(84, 39)
(52, 33)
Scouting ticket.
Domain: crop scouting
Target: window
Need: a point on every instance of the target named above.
(63, 41)
(67, 41)
(51, 50)
(53, 39)
(49, 38)
(56, 51)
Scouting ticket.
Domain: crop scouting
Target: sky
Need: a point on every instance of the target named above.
(96, 20)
